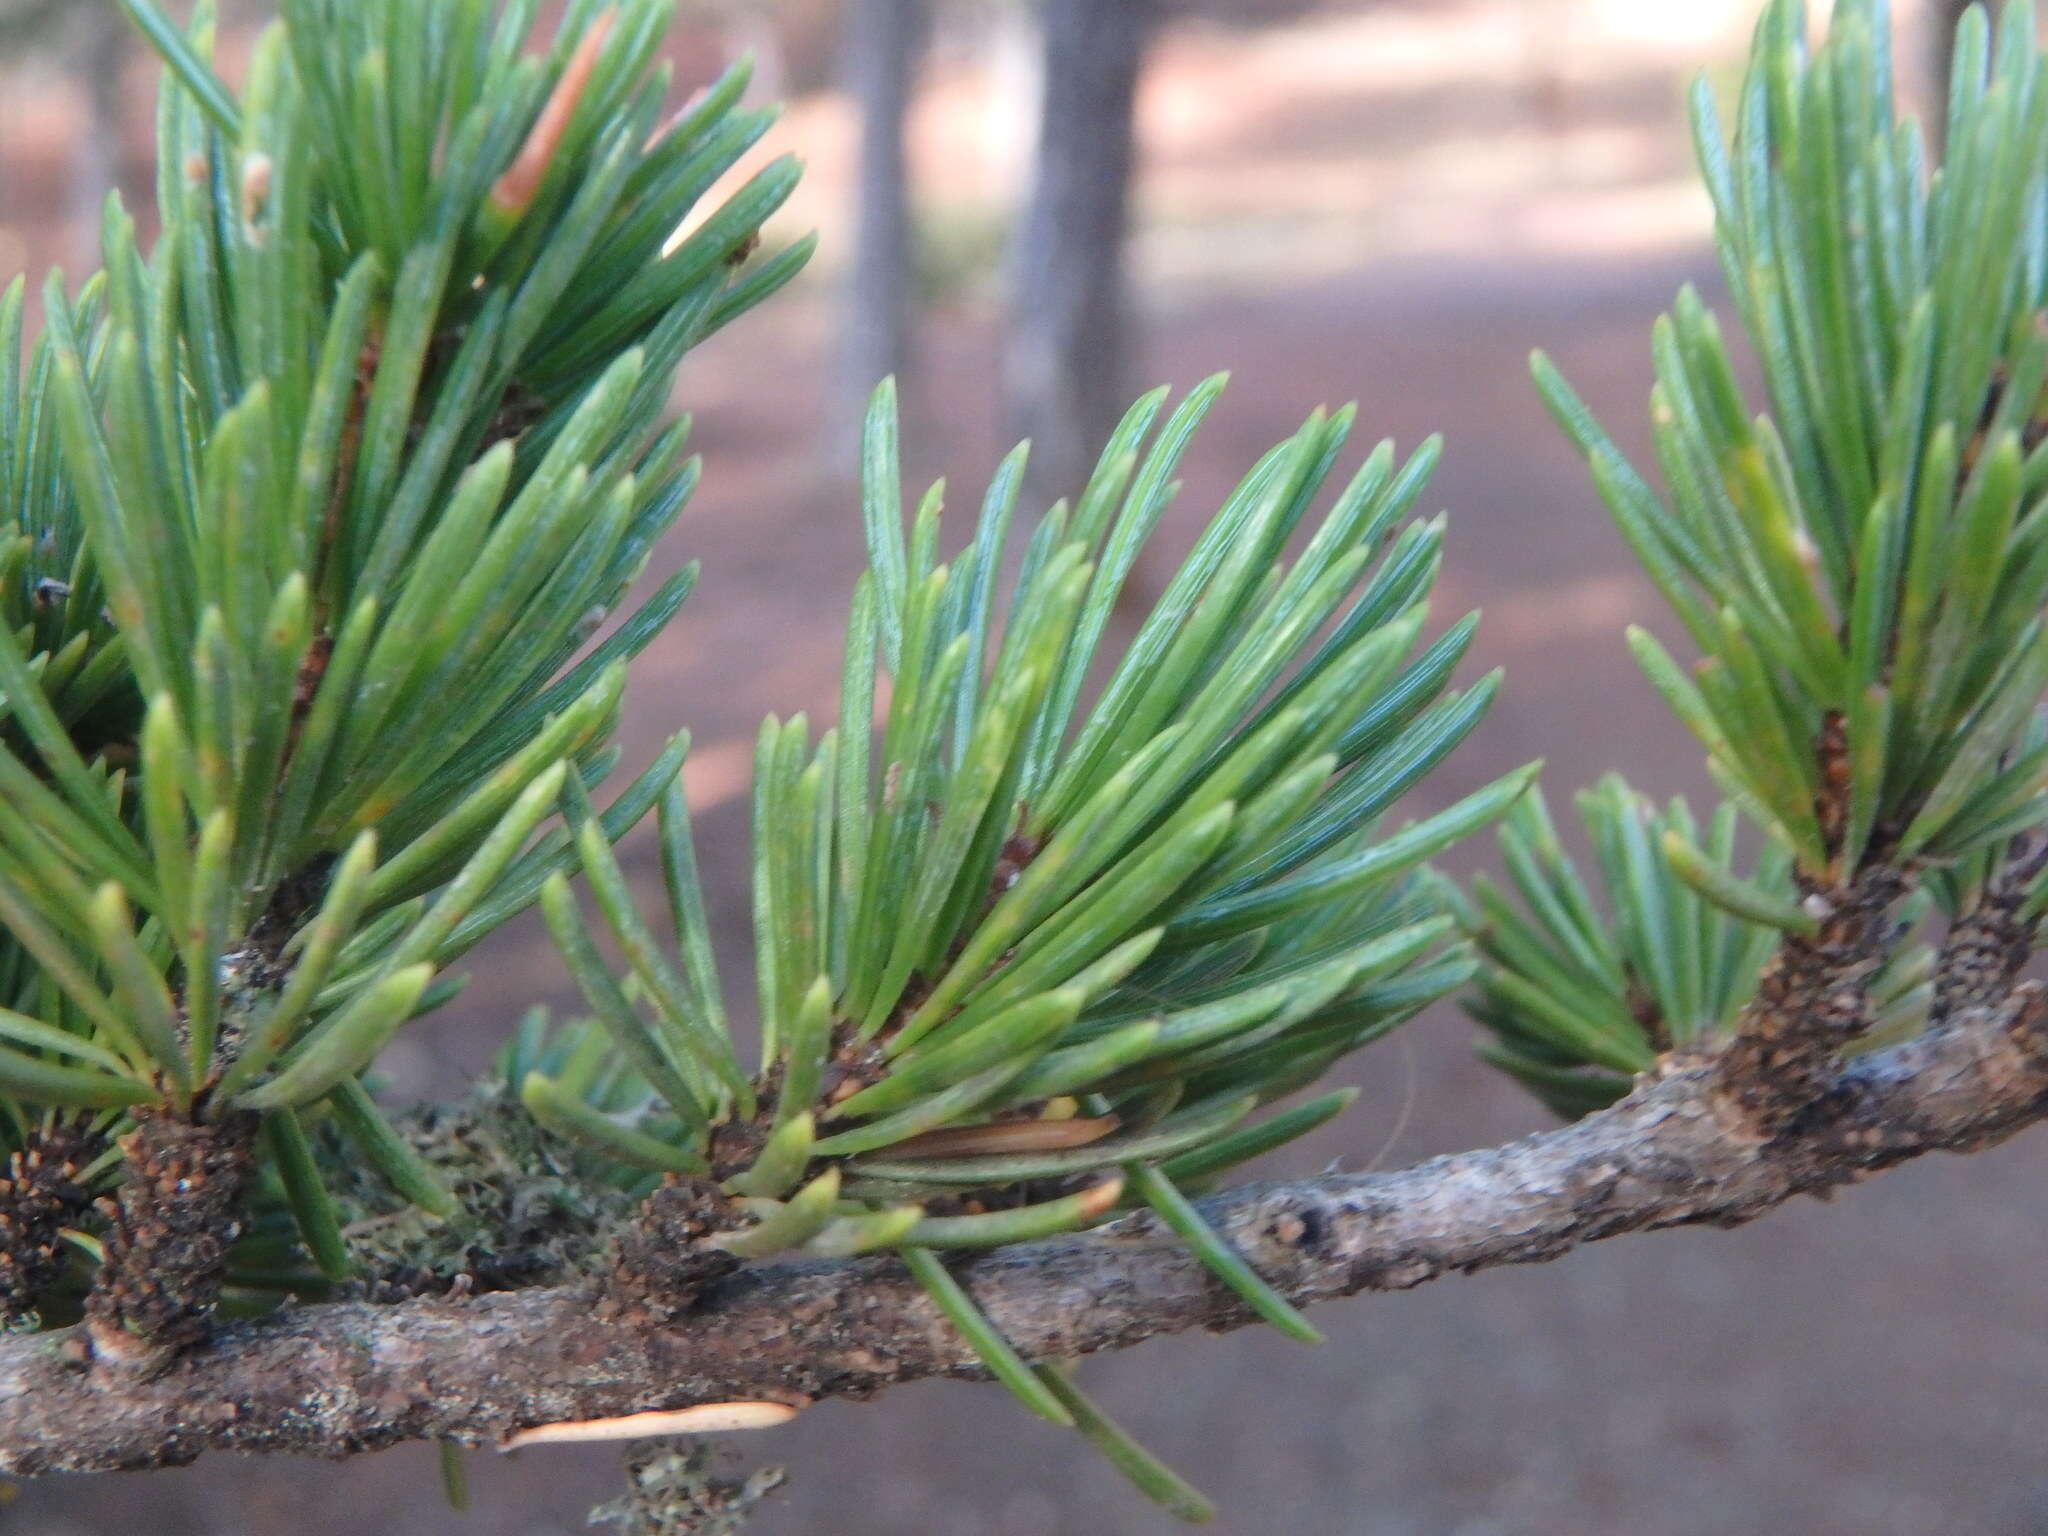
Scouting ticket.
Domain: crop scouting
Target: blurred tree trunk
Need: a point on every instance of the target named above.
(99, 53)
(1942, 18)
(29, 28)
(884, 40)
(1065, 362)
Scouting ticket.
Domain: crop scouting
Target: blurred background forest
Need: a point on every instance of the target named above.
(1030, 211)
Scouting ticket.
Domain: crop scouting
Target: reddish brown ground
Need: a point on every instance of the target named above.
(1391, 209)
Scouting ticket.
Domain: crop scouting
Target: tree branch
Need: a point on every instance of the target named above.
(336, 1379)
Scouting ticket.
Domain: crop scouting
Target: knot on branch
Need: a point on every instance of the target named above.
(1812, 1000)
(169, 1231)
(43, 1192)
(663, 1261)
(1988, 946)
(2024, 1017)
(1994, 1053)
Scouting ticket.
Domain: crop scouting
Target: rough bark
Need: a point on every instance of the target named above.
(169, 1230)
(43, 1191)
(336, 1379)
(1066, 351)
(1988, 946)
(662, 1265)
(1812, 1000)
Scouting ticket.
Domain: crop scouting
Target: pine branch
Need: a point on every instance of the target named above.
(311, 509)
(334, 1380)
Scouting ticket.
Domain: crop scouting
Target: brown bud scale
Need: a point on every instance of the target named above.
(169, 1231)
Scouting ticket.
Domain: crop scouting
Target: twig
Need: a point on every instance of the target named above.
(336, 1379)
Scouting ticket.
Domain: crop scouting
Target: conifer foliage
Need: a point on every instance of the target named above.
(310, 512)
(1585, 985)
(1861, 570)
(318, 516)
(315, 510)
(1023, 962)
